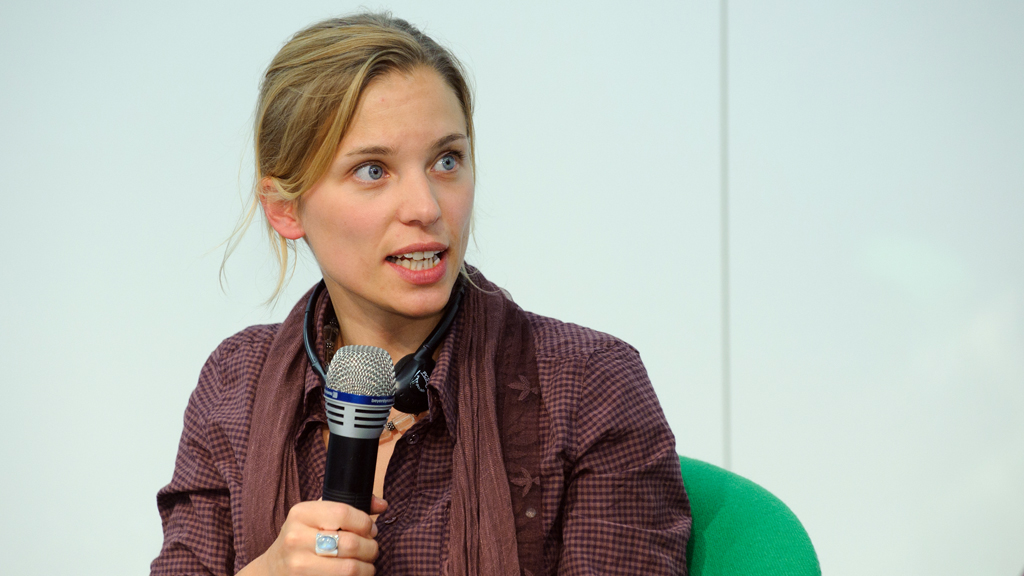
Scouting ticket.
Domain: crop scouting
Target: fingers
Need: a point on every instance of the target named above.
(332, 517)
(299, 541)
(294, 552)
(353, 546)
(378, 505)
(320, 566)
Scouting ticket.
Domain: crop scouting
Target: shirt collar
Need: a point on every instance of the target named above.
(441, 387)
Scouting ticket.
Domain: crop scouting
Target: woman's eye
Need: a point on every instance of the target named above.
(370, 172)
(447, 163)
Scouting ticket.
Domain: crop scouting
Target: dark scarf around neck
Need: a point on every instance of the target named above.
(497, 439)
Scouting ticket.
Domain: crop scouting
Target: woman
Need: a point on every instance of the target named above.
(543, 449)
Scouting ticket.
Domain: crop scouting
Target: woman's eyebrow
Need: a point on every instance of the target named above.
(454, 136)
(372, 151)
(388, 151)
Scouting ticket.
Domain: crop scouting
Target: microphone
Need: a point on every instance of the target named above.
(359, 391)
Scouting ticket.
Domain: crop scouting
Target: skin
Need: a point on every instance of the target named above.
(411, 128)
(402, 177)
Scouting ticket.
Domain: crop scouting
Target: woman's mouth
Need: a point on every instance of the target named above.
(418, 260)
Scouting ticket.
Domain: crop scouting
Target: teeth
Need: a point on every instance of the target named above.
(418, 255)
(417, 260)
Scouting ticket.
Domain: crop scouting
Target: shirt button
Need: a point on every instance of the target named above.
(412, 438)
(530, 512)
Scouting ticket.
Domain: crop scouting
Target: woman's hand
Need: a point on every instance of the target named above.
(294, 551)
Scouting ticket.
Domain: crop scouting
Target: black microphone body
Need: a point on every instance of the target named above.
(345, 478)
(359, 393)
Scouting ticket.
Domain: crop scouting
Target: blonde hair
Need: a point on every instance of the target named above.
(308, 97)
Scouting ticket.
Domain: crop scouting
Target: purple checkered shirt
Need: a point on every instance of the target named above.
(612, 496)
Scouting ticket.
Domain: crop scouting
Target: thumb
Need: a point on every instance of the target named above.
(378, 505)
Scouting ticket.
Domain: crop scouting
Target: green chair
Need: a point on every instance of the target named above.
(739, 528)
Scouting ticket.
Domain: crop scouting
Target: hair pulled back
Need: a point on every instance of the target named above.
(309, 94)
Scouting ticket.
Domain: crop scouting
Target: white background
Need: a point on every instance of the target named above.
(877, 196)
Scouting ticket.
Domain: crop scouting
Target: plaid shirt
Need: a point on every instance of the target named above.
(611, 491)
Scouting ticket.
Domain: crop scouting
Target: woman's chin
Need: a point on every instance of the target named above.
(424, 303)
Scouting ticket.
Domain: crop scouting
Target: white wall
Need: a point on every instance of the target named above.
(879, 277)
(877, 274)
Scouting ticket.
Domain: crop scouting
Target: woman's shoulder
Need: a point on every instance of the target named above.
(248, 344)
(553, 338)
(558, 339)
(595, 388)
(573, 359)
(233, 368)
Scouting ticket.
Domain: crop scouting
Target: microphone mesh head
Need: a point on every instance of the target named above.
(362, 370)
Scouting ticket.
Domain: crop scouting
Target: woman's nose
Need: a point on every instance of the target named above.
(418, 203)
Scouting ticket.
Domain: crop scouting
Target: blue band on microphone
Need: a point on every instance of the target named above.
(358, 398)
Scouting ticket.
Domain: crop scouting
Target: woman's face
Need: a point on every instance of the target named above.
(389, 221)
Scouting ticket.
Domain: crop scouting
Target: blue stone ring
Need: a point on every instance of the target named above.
(326, 544)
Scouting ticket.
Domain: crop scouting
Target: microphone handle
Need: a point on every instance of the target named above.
(348, 474)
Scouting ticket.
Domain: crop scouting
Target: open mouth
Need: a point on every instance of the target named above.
(418, 260)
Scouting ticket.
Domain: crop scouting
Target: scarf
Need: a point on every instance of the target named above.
(493, 366)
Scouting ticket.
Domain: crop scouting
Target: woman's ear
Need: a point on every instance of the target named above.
(281, 214)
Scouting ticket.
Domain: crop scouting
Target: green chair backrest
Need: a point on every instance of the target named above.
(741, 528)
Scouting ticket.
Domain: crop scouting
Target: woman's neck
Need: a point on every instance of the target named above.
(399, 336)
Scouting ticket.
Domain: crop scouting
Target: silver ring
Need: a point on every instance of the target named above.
(326, 544)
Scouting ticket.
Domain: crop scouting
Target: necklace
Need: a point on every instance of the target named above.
(398, 424)
(331, 332)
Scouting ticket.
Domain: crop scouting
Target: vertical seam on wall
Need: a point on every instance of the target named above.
(724, 198)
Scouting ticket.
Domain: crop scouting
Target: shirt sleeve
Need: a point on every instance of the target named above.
(626, 509)
(195, 507)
